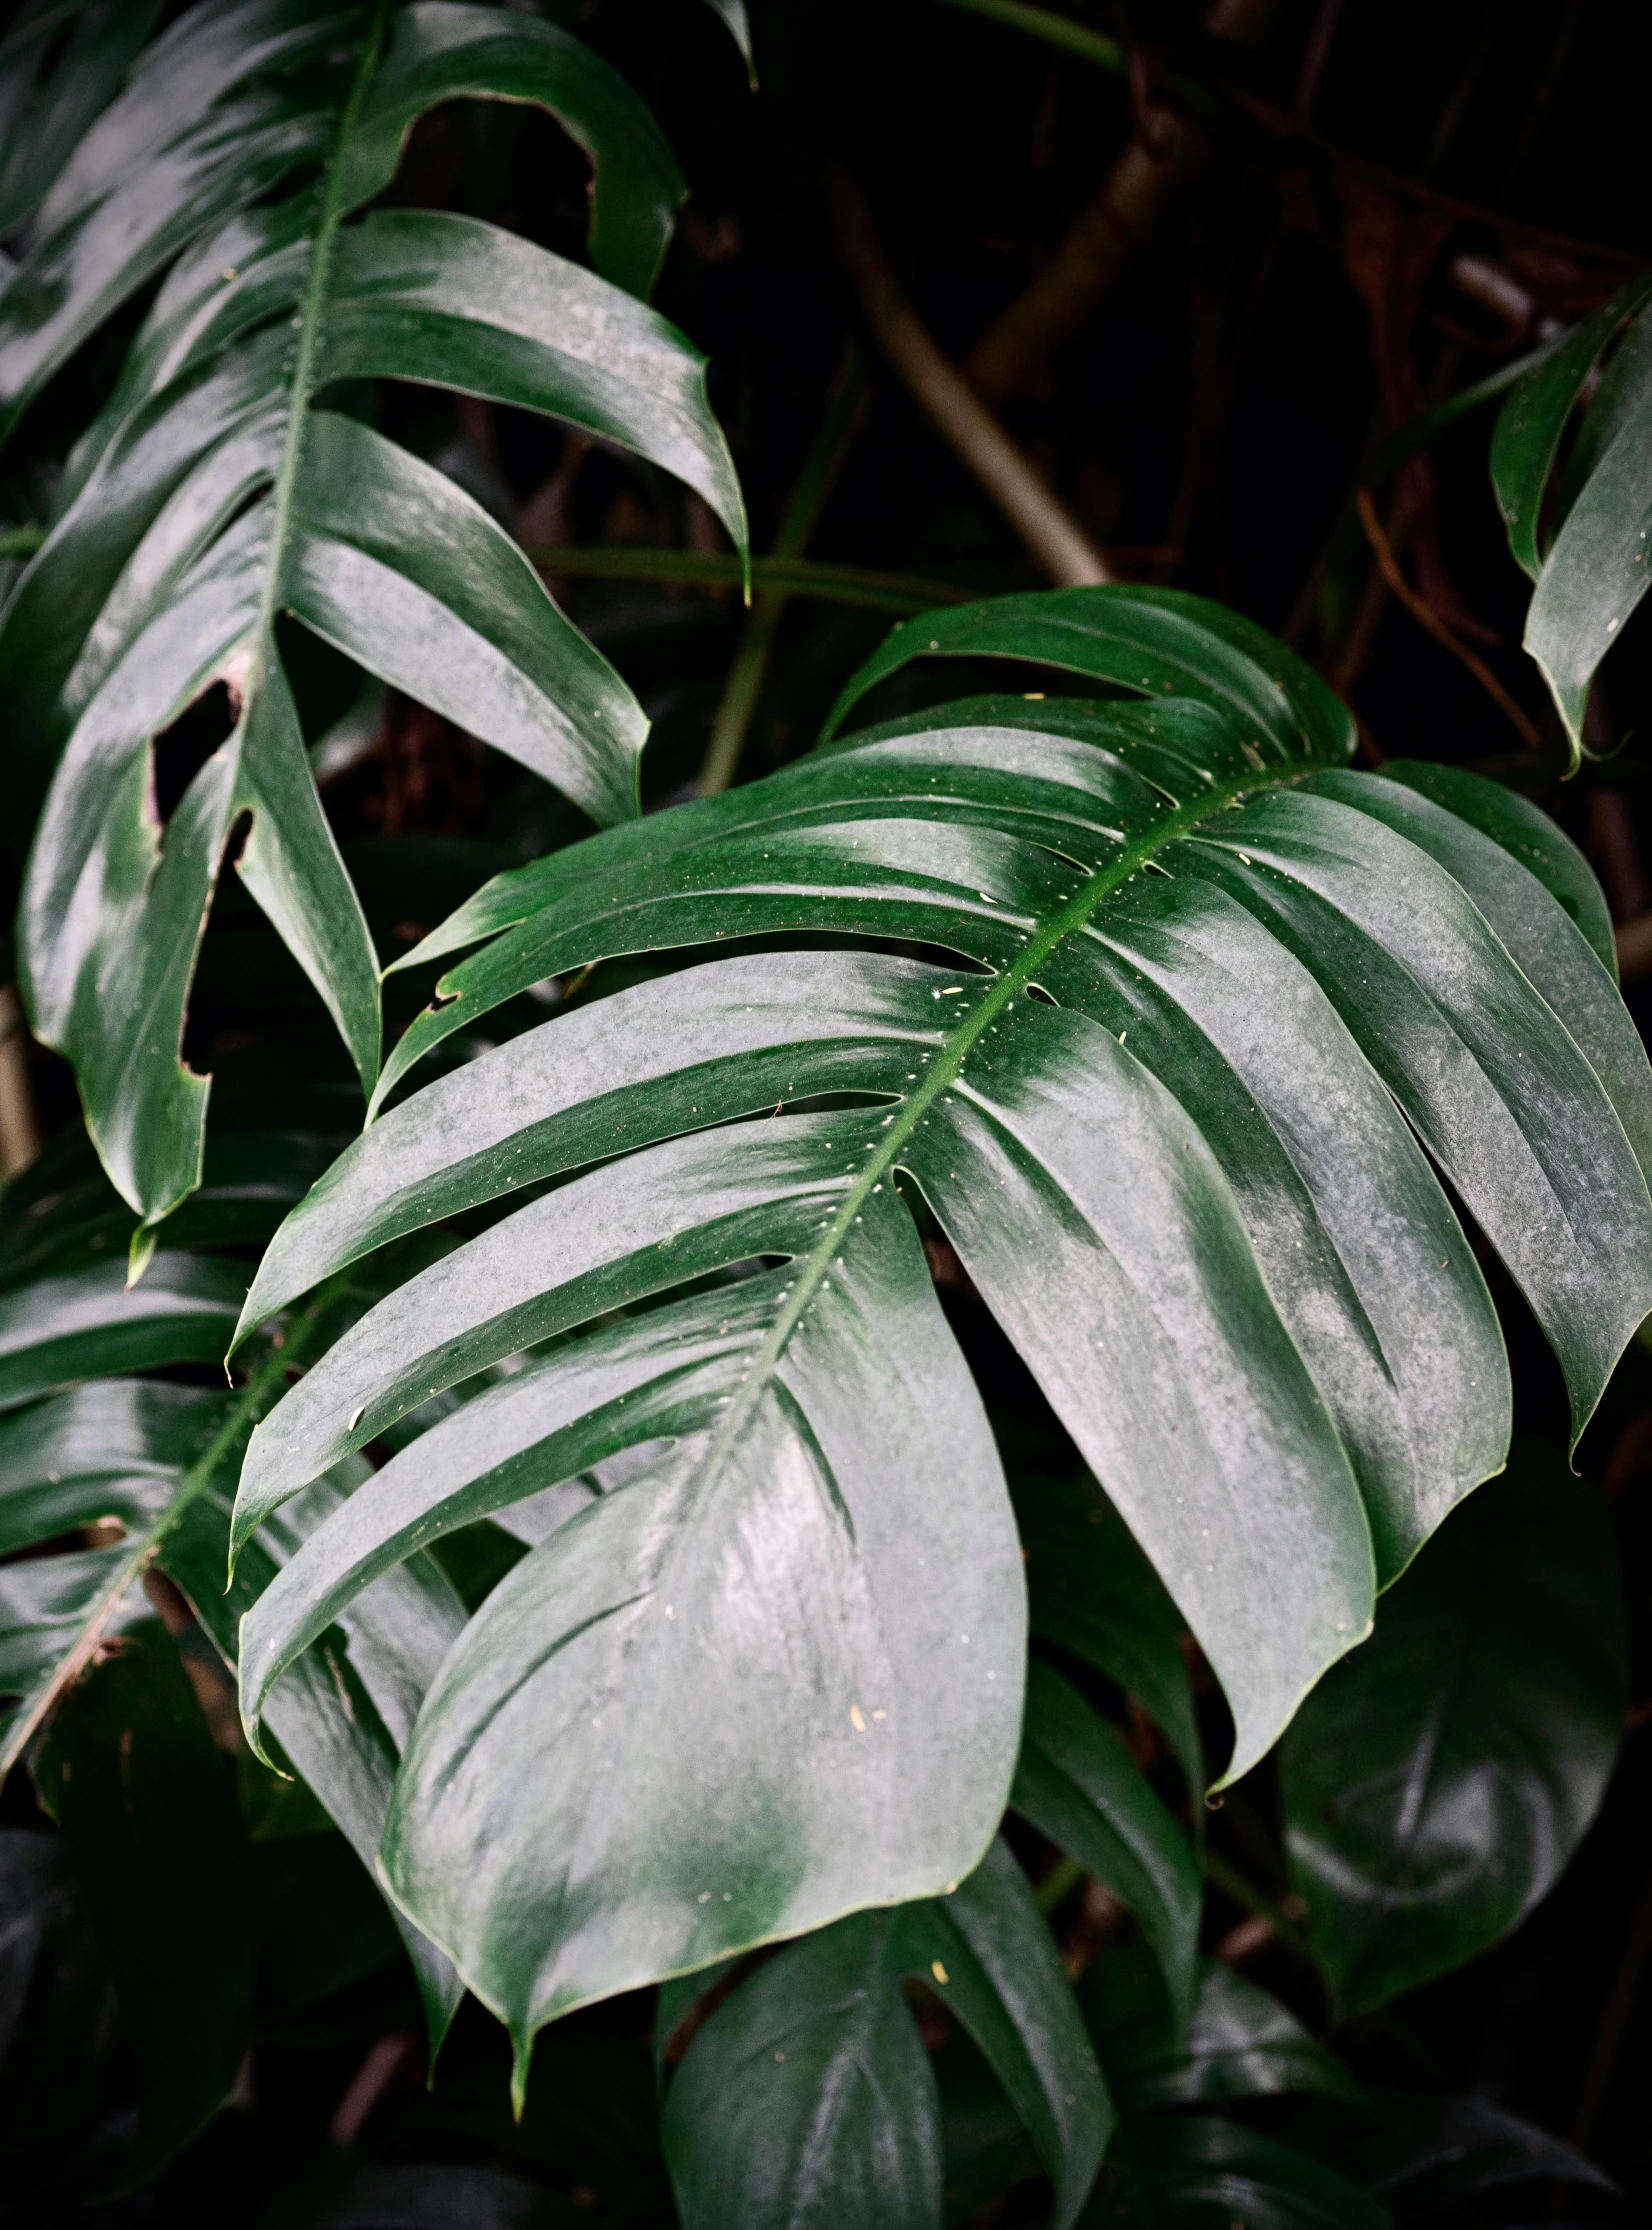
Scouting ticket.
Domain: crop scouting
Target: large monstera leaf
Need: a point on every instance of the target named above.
(229, 481)
(1208, 990)
(1582, 531)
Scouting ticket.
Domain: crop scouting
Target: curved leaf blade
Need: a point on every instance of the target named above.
(440, 51)
(1485, 1714)
(833, 2101)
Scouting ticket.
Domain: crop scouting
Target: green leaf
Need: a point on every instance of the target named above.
(213, 495)
(50, 93)
(1092, 1591)
(1529, 428)
(732, 13)
(1079, 1785)
(1438, 1781)
(442, 52)
(675, 1602)
(1526, 832)
(808, 2092)
(148, 1463)
(147, 1802)
(1430, 2155)
(1238, 2041)
(1152, 1104)
(57, 2012)
(1187, 2173)
(1598, 558)
(85, 1324)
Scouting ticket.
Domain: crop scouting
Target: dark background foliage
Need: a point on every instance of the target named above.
(1318, 280)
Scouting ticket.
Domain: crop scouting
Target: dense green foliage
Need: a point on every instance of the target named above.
(898, 1339)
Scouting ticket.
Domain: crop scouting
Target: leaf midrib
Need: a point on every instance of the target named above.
(1002, 991)
(309, 337)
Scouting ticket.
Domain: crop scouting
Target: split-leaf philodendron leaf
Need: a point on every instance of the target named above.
(1149, 1000)
(226, 483)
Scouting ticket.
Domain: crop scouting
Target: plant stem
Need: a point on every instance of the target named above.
(1053, 29)
(1053, 536)
(309, 335)
(844, 413)
(20, 542)
(1063, 1876)
(902, 595)
(1232, 1883)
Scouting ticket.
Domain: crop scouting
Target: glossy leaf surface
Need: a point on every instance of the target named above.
(147, 1802)
(1237, 2041)
(1079, 1786)
(1587, 542)
(1188, 2173)
(1438, 1781)
(1092, 1591)
(98, 1482)
(807, 2096)
(213, 494)
(1152, 1107)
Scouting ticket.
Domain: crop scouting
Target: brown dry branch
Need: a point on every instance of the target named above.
(1052, 535)
(1122, 217)
(19, 1125)
(1389, 567)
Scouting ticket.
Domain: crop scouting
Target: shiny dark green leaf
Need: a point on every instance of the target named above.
(1078, 1784)
(1588, 548)
(1438, 1781)
(147, 1802)
(1528, 434)
(808, 2094)
(1195, 2172)
(1151, 1104)
(1526, 832)
(1237, 2042)
(439, 51)
(1426, 2155)
(85, 1324)
(50, 93)
(733, 14)
(1092, 1591)
(211, 495)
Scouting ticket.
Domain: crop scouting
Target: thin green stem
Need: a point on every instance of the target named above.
(1063, 1877)
(1053, 29)
(749, 670)
(901, 594)
(20, 542)
(141, 1549)
(1232, 1883)
(1419, 432)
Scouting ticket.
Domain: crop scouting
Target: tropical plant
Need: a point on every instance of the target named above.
(235, 475)
(907, 1503)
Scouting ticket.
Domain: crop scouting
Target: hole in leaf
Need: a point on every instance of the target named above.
(180, 752)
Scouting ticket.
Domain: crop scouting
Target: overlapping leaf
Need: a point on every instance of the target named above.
(1584, 533)
(808, 2096)
(216, 492)
(101, 1481)
(770, 1667)
(1438, 1782)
